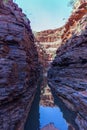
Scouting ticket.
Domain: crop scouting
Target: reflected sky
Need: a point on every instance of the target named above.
(52, 115)
(48, 108)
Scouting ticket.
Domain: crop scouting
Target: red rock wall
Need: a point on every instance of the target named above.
(19, 68)
(73, 21)
(50, 40)
(49, 35)
(68, 73)
(65, 32)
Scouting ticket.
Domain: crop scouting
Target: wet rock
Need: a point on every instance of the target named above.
(19, 68)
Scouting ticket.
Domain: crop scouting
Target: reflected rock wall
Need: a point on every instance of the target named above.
(46, 98)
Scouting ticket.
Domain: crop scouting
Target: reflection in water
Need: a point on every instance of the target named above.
(68, 115)
(49, 112)
(52, 115)
(49, 127)
(46, 98)
(33, 118)
(48, 109)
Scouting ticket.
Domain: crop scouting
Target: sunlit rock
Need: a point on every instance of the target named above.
(68, 72)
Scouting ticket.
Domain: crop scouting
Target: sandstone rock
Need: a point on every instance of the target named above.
(80, 10)
(68, 72)
(19, 68)
(49, 35)
(51, 39)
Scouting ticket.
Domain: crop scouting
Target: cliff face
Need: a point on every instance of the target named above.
(65, 32)
(74, 22)
(47, 42)
(68, 73)
(49, 35)
(50, 40)
(18, 66)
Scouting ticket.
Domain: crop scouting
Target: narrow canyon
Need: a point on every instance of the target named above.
(48, 67)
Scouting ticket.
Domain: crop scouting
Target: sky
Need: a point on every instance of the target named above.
(45, 14)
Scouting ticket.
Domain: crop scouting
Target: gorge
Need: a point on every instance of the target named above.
(19, 67)
(31, 63)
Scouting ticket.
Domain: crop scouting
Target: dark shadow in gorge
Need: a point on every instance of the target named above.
(32, 122)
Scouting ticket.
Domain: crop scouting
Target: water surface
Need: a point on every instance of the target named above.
(52, 115)
(48, 108)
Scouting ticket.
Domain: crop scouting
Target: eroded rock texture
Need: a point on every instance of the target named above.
(18, 66)
(68, 73)
(49, 35)
(80, 9)
(48, 41)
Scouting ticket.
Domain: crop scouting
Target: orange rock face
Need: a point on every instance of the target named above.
(73, 21)
(49, 35)
(65, 32)
(18, 66)
(50, 40)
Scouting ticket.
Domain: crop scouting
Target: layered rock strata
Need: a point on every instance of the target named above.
(47, 42)
(67, 75)
(49, 35)
(19, 68)
(51, 39)
(73, 23)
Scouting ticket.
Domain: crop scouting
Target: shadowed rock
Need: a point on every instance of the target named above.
(67, 75)
(19, 68)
